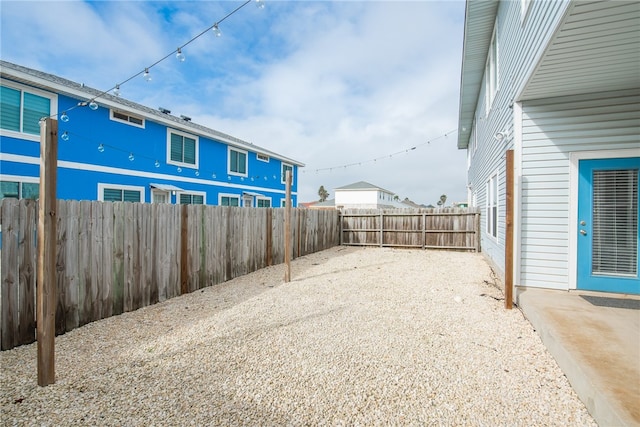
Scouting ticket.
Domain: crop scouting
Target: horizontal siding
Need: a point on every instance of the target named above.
(552, 130)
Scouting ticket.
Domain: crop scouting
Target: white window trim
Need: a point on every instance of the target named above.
(283, 178)
(192, 193)
(116, 119)
(53, 107)
(20, 179)
(156, 191)
(264, 158)
(491, 70)
(246, 162)
(102, 186)
(232, 196)
(188, 135)
(489, 199)
(264, 198)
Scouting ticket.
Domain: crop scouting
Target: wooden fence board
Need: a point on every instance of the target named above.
(113, 257)
(450, 228)
(118, 251)
(107, 260)
(9, 321)
(27, 260)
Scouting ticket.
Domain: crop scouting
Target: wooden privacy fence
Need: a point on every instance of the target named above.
(118, 257)
(443, 228)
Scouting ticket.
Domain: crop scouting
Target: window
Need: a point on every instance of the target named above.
(19, 190)
(492, 206)
(120, 193)
(263, 203)
(191, 199)
(229, 200)
(262, 157)
(159, 197)
(21, 110)
(237, 162)
(182, 149)
(283, 203)
(491, 73)
(285, 168)
(120, 116)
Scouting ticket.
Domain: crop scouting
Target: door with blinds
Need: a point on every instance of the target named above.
(608, 238)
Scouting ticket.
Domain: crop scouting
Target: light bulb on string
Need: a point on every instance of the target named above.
(64, 117)
(147, 75)
(65, 136)
(180, 56)
(216, 30)
(157, 164)
(260, 4)
(131, 157)
(93, 105)
(101, 148)
(213, 175)
(116, 91)
(197, 173)
(179, 169)
(229, 177)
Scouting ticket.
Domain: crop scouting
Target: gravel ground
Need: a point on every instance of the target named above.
(358, 337)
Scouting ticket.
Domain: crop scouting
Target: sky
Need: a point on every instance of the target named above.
(355, 90)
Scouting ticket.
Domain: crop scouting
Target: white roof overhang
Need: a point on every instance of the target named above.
(594, 48)
(480, 17)
(165, 187)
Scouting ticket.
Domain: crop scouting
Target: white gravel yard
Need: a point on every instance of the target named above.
(358, 337)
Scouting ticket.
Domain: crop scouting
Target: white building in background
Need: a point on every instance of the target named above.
(363, 195)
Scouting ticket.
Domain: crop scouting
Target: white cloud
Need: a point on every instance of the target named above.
(326, 83)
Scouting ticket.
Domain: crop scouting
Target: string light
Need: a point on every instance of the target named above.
(93, 105)
(178, 52)
(102, 147)
(375, 160)
(180, 56)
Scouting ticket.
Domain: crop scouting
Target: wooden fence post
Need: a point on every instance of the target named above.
(508, 250)
(46, 295)
(287, 230)
(269, 238)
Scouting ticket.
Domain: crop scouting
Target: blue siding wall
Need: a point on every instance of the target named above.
(81, 166)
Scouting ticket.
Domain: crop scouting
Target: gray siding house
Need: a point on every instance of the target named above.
(557, 82)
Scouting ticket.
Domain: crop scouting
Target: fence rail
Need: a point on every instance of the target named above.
(118, 257)
(445, 228)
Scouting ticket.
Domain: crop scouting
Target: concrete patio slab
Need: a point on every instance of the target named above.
(595, 339)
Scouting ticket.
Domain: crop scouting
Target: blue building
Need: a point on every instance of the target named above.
(118, 150)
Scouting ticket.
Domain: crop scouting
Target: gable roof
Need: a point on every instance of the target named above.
(362, 185)
(70, 88)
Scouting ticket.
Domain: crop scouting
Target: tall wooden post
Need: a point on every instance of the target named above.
(287, 229)
(46, 294)
(508, 244)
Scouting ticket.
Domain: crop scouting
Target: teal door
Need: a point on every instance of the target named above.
(607, 228)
